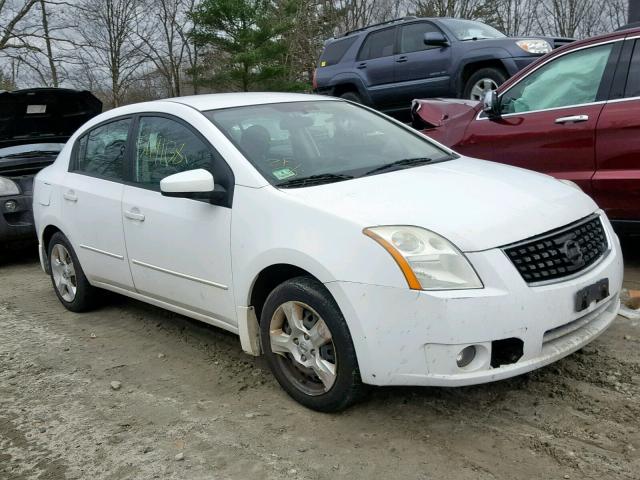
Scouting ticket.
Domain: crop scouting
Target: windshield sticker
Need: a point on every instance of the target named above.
(283, 173)
(31, 109)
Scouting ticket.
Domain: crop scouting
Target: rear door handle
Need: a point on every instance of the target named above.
(134, 214)
(572, 119)
(362, 65)
(402, 59)
(70, 195)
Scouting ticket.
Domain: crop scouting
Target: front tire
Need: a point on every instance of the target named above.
(483, 81)
(69, 281)
(308, 346)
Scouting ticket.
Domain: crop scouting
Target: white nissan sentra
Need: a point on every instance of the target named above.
(347, 248)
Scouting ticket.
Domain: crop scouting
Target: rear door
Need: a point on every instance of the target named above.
(549, 117)
(616, 183)
(421, 71)
(376, 64)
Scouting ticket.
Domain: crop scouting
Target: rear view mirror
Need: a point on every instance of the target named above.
(491, 105)
(197, 184)
(435, 39)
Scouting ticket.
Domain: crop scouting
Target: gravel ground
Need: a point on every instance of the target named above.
(133, 392)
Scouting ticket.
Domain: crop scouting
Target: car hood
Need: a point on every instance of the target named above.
(477, 205)
(48, 115)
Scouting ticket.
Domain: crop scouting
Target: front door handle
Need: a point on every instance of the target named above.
(402, 59)
(362, 65)
(134, 214)
(572, 119)
(70, 195)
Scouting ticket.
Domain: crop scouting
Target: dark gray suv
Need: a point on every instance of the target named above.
(387, 65)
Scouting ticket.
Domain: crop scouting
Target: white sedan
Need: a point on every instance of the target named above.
(344, 246)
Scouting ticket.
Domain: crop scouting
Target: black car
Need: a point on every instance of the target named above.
(34, 126)
(387, 65)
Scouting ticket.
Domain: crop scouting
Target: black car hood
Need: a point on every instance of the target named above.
(44, 115)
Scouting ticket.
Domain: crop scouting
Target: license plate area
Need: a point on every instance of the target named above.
(592, 293)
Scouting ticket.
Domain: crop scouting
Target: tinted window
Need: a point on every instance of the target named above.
(102, 151)
(378, 44)
(412, 37)
(334, 52)
(165, 147)
(291, 141)
(573, 79)
(633, 80)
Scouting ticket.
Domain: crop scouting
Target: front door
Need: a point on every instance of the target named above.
(91, 203)
(421, 71)
(179, 249)
(549, 117)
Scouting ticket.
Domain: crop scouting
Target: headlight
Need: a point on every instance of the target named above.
(8, 187)
(570, 183)
(534, 46)
(427, 260)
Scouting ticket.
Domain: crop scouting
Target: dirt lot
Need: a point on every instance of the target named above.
(187, 388)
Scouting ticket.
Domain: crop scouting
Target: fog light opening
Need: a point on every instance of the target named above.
(466, 356)
(10, 205)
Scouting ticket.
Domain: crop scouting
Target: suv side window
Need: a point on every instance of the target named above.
(165, 146)
(378, 44)
(572, 79)
(334, 52)
(412, 36)
(101, 152)
(633, 79)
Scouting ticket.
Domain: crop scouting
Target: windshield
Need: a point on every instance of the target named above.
(470, 30)
(31, 149)
(321, 141)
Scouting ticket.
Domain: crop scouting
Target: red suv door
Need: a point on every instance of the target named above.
(616, 183)
(549, 116)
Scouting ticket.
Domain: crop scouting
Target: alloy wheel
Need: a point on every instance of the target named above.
(64, 273)
(481, 87)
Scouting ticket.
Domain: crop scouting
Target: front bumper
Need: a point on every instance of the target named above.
(405, 337)
(16, 225)
(515, 64)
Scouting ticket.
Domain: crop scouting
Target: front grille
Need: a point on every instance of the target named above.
(559, 253)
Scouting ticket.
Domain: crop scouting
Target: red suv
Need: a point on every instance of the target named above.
(574, 114)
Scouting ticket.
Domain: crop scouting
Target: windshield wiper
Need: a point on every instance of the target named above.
(314, 180)
(398, 164)
(32, 154)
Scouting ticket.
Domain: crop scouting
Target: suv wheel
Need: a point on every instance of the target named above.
(351, 96)
(69, 282)
(308, 346)
(483, 81)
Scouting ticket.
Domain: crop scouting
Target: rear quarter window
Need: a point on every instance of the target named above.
(334, 52)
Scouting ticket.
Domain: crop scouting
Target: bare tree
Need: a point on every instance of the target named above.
(11, 14)
(109, 41)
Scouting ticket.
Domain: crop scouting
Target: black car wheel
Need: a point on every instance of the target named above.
(483, 81)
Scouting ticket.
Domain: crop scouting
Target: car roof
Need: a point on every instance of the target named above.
(216, 101)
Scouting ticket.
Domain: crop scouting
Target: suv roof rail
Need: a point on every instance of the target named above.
(400, 19)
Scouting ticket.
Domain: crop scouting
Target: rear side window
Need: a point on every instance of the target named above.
(378, 44)
(101, 152)
(412, 37)
(633, 80)
(334, 52)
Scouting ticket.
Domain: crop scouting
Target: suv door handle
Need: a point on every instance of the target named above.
(70, 195)
(134, 214)
(362, 65)
(401, 59)
(573, 119)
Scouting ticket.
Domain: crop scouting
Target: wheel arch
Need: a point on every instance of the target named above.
(473, 65)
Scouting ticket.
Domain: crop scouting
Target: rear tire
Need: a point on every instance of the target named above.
(351, 96)
(483, 80)
(315, 362)
(69, 281)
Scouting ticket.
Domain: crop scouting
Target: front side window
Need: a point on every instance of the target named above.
(334, 140)
(633, 79)
(101, 152)
(572, 79)
(412, 36)
(165, 147)
(378, 44)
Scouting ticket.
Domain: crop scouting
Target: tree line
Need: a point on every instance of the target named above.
(134, 50)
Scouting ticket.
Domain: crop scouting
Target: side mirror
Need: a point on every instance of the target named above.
(197, 184)
(435, 39)
(491, 105)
